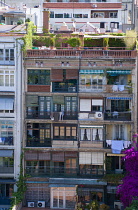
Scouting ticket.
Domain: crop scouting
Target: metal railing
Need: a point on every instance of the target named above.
(36, 142)
(123, 116)
(83, 53)
(6, 170)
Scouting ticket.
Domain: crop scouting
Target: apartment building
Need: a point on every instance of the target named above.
(80, 114)
(107, 15)
(10, 115)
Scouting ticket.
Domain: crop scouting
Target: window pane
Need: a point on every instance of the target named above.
(6, 80)
(68, 131)
(74, 132)
(12, 80)
(1, 54)
(1, 80)
(61, 131)
(56, 131)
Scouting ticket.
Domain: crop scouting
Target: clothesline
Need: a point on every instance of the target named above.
(118, 145)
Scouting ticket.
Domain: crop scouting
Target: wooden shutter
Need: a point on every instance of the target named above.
(58, 156)
(71, 73)
(70, 154)
(57, 75)
(43, 155)
(31, 155)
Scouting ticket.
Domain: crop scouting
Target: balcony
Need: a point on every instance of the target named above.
(36, 142)
(63, 172)
(83, 53)
(6, 170)
(55, 116)
(104, 88)
(118, 116)
(64, 88)
(91, 144)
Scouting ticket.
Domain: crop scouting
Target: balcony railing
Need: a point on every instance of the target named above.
(64, 88)
(55, 116)
(117, 116)
(63, 172)
(6, 170)
(105, 88)
(36, 142)
(83, 53)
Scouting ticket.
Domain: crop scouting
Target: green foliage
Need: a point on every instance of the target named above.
(27, 20)
(105, 41)
(21, 187)
(74, 42)
(133, 206)
(113, 178)
(130, 39)
(30, 29)
(115, 42)
(43, 41)
(90, 42)
(94, 205)
(19, 22)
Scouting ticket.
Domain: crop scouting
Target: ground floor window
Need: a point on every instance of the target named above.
(63, 197)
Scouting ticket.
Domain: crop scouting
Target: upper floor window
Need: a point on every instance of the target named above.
(6, 78)
(77, 15)
(113, 14)
(6, 132)
(38, 77)
(58, 15)
(6, 56)
(67, 15)
(68, 132)
(97, 15)
(52, 14)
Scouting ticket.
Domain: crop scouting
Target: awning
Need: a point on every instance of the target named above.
(116, 72)
(119, 98)
(62, 185)
(7, 181)
(91, 71)
(6, 153)
(6, 103)
(115, 155)
(58, 99)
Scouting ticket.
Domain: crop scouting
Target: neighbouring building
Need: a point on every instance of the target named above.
(11, 120)
(80, 113)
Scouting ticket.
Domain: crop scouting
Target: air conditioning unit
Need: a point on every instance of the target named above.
(98, 115)
(41, 204)
(118, 205)
(30, 204)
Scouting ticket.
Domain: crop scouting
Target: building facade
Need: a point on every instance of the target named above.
(80, 114)
(10, 115)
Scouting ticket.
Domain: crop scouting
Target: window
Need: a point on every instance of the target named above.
(91, 81)
(6, 190)
(6, 104)
(6, 55)
(6, 78)
(71, 105)
(38, 77)
(67, 132)
(38, 134)
(119, 105)
(58, 15)
(67, 15)
(6, 132)
(51, 14)
(114, 25)
(85, 15)
(97, 15)
(77, 15)
(91, 134)
(119, 132)
(113, 14)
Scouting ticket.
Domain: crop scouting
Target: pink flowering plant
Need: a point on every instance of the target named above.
(128, 190)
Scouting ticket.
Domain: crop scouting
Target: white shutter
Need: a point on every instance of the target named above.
(97, 158)
(85, 158)
(100, 132)
(85, 105)
(96, 102)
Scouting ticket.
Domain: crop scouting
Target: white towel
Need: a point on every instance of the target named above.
(117, 146)
(109, 142)
(121, 87)
(115, 88)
